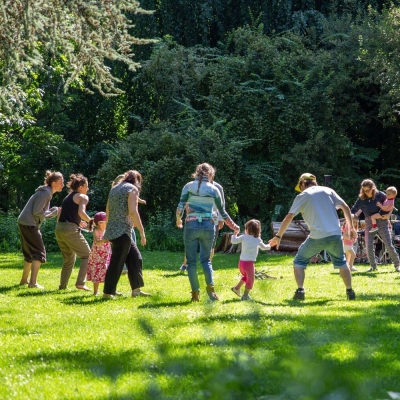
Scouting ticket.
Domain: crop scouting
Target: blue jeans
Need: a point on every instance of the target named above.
(195, 234)
(333, 245)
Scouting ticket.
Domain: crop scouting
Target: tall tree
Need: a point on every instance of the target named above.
(74, 38)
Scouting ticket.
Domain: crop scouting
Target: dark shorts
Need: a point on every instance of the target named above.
(32, 243)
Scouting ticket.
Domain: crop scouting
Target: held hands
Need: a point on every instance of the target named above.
(275, 241)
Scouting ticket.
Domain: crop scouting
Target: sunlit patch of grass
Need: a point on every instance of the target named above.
(71, 344)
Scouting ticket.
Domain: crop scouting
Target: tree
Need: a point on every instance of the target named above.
(76, 39)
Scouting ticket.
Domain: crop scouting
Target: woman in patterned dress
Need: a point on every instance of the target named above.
(122, 215)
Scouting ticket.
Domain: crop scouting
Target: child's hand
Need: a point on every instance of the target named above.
(236, 231)
(379, 204)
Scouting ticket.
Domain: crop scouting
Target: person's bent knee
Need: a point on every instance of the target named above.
(300, 266)
(340, 266)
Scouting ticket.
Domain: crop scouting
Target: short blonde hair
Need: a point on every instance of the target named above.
(391, 189)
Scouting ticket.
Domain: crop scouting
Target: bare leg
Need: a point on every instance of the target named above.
(25, 273)
(239, 284)
(300, 275)
(34, 273)
(346, 276)
(350, 257)
(96, 288)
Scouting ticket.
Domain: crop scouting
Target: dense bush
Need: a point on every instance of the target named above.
(161, 233)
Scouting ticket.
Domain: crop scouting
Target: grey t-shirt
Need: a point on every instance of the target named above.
(318, 206)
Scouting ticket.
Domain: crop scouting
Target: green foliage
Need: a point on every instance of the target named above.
(162, 234)
(76, 39)
(9, 233)
(262, 90)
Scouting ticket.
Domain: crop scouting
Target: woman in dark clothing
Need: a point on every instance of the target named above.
(366, 203)
(68, 233)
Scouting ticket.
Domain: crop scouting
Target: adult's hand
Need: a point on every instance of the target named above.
(275, 241)
(143, 241)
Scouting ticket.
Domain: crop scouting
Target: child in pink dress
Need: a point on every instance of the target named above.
(100, 254)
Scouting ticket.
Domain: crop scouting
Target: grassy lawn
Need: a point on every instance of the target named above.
(72, 345)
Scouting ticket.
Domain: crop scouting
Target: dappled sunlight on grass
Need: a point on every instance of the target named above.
(169, 348)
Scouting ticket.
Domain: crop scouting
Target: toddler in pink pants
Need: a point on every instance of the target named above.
(251, 243)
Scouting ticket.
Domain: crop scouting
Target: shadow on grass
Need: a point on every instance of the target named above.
(265, 359)
(6, 289)
(174, 274)
(38, 293)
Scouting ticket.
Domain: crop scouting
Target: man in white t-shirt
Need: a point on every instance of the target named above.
(318, 206)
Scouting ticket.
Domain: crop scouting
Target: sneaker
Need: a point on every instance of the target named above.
(373, 230)
(397, 269)
(139, 293)
(183, 267)
(372, 269)
(246, 297)
(299, 295)
(35, 286)
(354, 269)
(236, 291)
(119, 294)
(108, 296)
(351, 295)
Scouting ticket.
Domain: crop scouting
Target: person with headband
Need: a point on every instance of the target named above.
(318, 206)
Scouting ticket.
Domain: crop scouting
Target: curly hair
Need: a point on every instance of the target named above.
(75, 181)
(204, 170)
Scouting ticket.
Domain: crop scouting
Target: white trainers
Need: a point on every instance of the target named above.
(353, 269)
(236, 291)
(139, 293)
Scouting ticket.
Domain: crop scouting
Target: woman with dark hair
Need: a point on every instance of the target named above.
(29, 222)
(367, 201)
(72, 243)
(122, 214)
(198, 199)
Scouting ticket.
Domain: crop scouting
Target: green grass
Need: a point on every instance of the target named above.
(72, 345)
